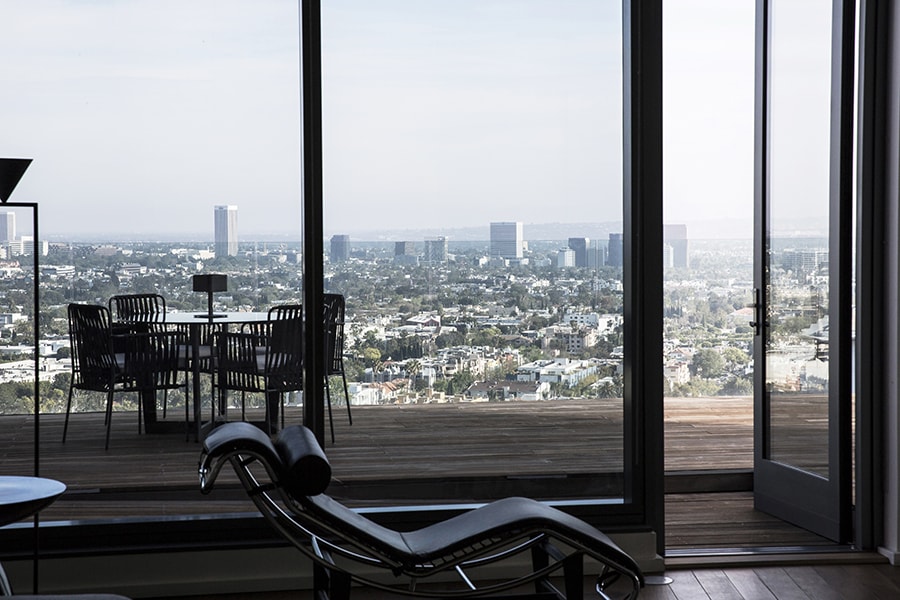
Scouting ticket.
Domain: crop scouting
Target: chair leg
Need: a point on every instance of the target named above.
(573, 574)
(329, 584)
(267, 399)
(140, 410)
(187, 413)
(347, 396)
(68, 409)
(328, 402)
(109, 403)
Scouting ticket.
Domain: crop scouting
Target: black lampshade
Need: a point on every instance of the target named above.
(11, 171)
(210, 283)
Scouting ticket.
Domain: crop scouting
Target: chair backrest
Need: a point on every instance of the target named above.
(137, 308)
(93, 361)
(334, 333)
(150, 360)
(284, 353)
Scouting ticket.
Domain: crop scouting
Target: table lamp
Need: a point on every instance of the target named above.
(209, 284)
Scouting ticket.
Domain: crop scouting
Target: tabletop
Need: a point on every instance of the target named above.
(21, 497)
(200, 318)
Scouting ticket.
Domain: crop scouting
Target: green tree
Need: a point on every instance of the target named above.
(707, 363)
(371, 356)
(460, 382)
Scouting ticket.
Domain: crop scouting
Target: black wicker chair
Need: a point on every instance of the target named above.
(334, 351)
(110, 361)
(286, 480)
(265, 357)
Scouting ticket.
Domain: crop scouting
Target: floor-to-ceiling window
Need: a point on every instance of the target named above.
(481, 148)
(473, 175)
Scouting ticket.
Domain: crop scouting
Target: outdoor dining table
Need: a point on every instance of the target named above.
(194, 322)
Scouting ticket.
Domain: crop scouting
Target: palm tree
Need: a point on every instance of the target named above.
(413, 368)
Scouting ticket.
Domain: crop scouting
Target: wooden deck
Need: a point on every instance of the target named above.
(156, 474)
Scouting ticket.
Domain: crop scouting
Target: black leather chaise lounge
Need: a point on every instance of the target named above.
(286, 480)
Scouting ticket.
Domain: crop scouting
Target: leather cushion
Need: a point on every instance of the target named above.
(307, 470)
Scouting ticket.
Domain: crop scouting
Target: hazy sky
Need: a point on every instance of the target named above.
(141, 115)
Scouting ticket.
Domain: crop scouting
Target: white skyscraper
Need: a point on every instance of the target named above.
(7, 227)
(506, 239)
(226, 230)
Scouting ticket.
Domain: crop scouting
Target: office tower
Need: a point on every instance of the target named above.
(596, 254)
(668, 256)
(404, 248)
(7, 227)
(565, 258)
(676, 236)
(614, 252)
(804, 260)
(580, 246)
(226, 231)
(340, 248)
(436, 250)
(405, 254)
(506, 239)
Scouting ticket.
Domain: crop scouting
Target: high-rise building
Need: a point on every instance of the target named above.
(405, 253)
(565, 258)
(506, 239)
(436, 250)
(596, 254)
(7, 227)
(676, 236)
(226, 230)
(614, 251)
(580, 245)
(804, 260)
(404, 248)
(340, 248)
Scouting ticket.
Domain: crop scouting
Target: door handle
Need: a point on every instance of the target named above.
(756, 323)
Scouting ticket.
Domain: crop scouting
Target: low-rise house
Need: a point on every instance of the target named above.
(508, 390)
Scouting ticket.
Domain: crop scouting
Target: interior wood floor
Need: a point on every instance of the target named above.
(788, 582)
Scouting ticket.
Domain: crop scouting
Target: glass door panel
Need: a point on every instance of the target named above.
(796, 332)
(802, 351)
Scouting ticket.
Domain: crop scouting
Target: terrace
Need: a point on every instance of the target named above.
(154, 475)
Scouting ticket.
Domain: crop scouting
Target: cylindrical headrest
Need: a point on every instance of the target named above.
(307, 471)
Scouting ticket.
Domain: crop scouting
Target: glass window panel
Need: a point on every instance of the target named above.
(708, 95)
(473, 221)
(137, 131)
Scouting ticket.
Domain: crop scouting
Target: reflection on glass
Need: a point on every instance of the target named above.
(473, 214)
(797, 230)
